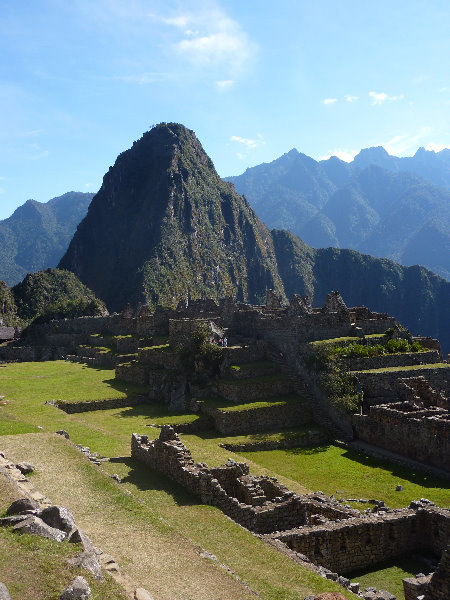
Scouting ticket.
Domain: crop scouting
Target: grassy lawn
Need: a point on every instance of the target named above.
(41, 563)
(157, 532)
(407, 368)
(225, 406)
(389, 576)
(62, 381)
(268, 436)
(351, 474)
(175, 525)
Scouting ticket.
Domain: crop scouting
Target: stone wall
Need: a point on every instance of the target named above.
(281, 416)
(364, 542)
(6, 333)
(422, 435)
(393, 360)
(382, 384)
(76, 407)
(252, 390)
(260, 504)
(439, 586)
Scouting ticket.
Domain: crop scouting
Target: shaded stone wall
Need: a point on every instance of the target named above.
(363, 542)
(422, 435)
(292, 414)
(393, 360)
(383, 383)
(439, 586)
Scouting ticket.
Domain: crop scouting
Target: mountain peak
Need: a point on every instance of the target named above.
(191, 233)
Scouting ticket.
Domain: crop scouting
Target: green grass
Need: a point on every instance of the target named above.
(64, 382)
(224, 406)
(269, 436)
(337, 340)
(41, 564)
(407, 368)
(389, 576)
(352, 474)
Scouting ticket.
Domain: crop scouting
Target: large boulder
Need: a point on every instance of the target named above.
(4, 594)
(22, 505)
(35, 525)
(78, 590)
(59, 517)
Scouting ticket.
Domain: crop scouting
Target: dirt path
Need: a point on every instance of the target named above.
(147, 550)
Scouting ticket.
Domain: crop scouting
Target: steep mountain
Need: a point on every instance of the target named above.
(418, 298)
(432, 166)
(164, 227)
(373, 204)
(37, 234)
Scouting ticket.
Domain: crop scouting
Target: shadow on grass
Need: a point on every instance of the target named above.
(143, 478)
(409, 474)
(308, 450)
(152, 410)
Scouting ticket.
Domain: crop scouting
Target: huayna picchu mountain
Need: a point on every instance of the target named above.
(164, 227)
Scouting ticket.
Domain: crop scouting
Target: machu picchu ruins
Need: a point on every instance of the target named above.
(264, 379)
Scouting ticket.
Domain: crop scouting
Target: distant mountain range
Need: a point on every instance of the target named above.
(164, 227)
(37, 234)
(378, 204)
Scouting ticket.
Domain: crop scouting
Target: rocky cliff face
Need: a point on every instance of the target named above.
(164, 227)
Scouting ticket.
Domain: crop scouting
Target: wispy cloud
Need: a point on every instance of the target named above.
(382, 97)
(2, 190)
(436, 147)
(345, 155)
(224, 84)
(211, 38)
(349, 98)
(249, 143)
(405, 143)
(329, 101)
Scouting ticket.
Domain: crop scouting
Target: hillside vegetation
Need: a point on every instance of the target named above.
(37, 234)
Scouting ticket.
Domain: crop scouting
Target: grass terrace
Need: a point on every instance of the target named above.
(223, 405)
(407, 368)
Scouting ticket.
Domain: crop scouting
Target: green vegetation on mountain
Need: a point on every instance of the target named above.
(416, 297)
(45, 295)
(165, 227)
(37, 234)
(8, 309)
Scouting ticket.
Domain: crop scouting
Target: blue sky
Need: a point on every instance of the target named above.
(81, 80)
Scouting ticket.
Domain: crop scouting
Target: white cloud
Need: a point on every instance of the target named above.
(329, 101)
(380, 98)
(436, 147)
(405, 143)
(247, 142)
(349, 98)
(211, 38)
(240, 155)
(224, 84)
(345, 155)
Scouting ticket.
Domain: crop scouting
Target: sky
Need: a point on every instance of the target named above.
(81, 80)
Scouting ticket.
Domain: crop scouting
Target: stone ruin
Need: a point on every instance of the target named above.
(314, 530)
(261, 504)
